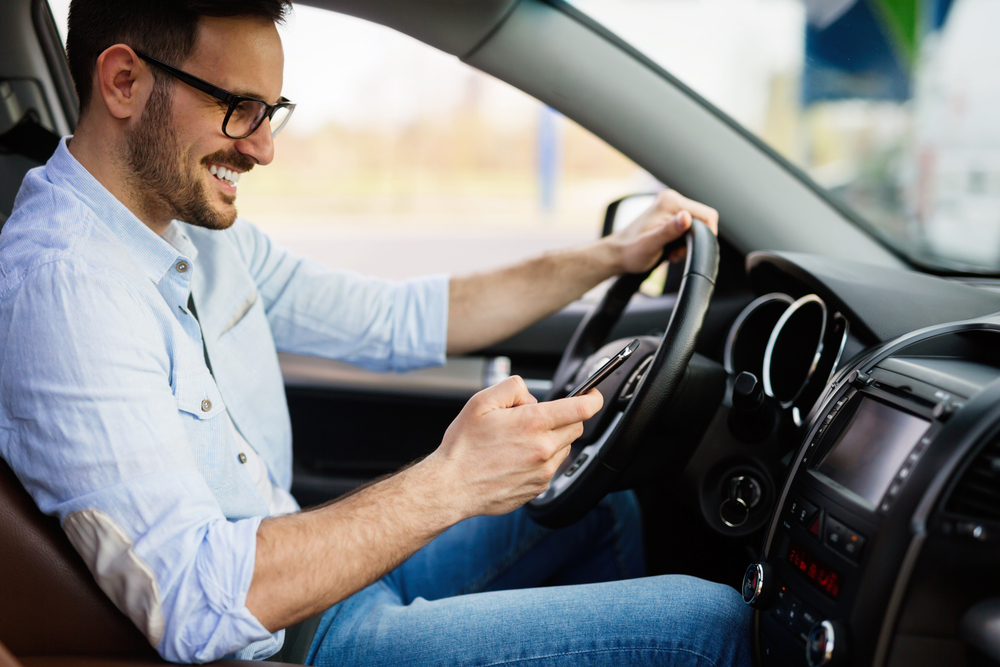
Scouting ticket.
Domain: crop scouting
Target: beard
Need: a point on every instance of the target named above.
(161, 180)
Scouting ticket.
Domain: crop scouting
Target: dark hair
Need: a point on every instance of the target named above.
(165, 29)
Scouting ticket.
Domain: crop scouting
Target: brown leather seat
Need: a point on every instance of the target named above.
(52, 613)
(49, 602)
(6, 659)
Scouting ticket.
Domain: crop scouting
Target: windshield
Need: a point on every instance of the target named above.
(890, 105)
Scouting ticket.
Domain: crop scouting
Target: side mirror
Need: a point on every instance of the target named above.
(623, 211)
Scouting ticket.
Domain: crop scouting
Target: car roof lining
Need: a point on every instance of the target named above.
(457, 27)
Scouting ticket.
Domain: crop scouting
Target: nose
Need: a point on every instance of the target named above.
(259, 146)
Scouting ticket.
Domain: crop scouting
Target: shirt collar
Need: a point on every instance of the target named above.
(154, 255)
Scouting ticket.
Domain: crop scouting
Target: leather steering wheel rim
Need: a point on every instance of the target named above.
(624, 436)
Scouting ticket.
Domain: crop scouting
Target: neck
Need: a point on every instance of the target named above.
(101, 156)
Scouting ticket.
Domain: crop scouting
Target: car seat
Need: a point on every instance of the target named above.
(52, 613)
(49, 601)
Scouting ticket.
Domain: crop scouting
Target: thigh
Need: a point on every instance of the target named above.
(511, 551)
(668, 620)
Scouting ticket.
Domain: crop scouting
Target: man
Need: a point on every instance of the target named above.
(143, 403)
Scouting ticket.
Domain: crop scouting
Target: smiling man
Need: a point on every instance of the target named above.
(142, 402)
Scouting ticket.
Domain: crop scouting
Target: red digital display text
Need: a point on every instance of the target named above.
(815, 570)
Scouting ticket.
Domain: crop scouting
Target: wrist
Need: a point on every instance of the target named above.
(609, 255)
(434, 488)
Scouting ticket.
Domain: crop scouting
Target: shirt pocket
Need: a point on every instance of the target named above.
(198, 395)
(240, 314)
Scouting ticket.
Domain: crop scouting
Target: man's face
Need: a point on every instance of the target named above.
(178, 141)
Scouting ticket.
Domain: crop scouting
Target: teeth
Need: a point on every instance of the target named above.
(224, 174)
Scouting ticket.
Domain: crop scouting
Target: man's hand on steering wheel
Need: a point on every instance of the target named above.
(667, 219)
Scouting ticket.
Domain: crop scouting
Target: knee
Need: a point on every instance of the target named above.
(721, 607)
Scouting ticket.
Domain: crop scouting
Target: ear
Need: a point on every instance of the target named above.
(122, 81)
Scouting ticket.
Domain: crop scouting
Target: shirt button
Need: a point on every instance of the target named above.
(206, 405)
(181, 267)
(243, 457)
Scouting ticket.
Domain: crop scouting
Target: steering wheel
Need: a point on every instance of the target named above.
(635, 393)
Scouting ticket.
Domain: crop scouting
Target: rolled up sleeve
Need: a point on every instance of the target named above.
(92, 429)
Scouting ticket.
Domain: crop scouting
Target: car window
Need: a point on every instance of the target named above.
(890, 105)
(401, 160)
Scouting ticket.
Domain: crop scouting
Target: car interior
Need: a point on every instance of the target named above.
(811, 417)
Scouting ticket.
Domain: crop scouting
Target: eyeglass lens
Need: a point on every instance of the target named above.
(248, 115)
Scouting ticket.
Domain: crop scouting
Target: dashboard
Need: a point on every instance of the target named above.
(880, 392)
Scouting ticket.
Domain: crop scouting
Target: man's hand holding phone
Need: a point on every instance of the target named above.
(505, 446)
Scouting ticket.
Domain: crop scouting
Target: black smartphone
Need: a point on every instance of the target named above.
(606, 370)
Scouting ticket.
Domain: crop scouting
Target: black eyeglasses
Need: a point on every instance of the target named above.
(245, 114)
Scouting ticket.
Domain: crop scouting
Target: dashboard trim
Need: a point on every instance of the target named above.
(776, 332)
(734, 330)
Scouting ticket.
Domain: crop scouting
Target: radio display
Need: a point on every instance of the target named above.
(815, 570)
(871, 448)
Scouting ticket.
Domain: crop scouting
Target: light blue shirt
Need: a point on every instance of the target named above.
(113, 422)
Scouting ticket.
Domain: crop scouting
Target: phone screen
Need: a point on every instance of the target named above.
(606, 369)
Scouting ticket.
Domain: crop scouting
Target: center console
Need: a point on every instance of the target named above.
(840, 533)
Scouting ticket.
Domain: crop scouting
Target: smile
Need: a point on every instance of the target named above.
(226, 175)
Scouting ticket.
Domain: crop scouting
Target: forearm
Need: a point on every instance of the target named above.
(307, 562)
(488, 307)
(485, 308)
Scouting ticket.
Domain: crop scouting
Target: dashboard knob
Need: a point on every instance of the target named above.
(859, 377)
(943, 411)
(748, 393)
(758, 584)
(827, 644)
(752, 417)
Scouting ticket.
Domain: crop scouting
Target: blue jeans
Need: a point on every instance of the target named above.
(475, 596)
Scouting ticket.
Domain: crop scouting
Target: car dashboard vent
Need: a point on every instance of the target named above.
(977, 493)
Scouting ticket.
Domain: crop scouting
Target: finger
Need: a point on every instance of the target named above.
(678, 255)
(672, 229)
(565, 411)
(565, 436)
(509, 393)
(706, 214)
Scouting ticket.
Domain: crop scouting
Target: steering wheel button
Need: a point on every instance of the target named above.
(580, 460)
